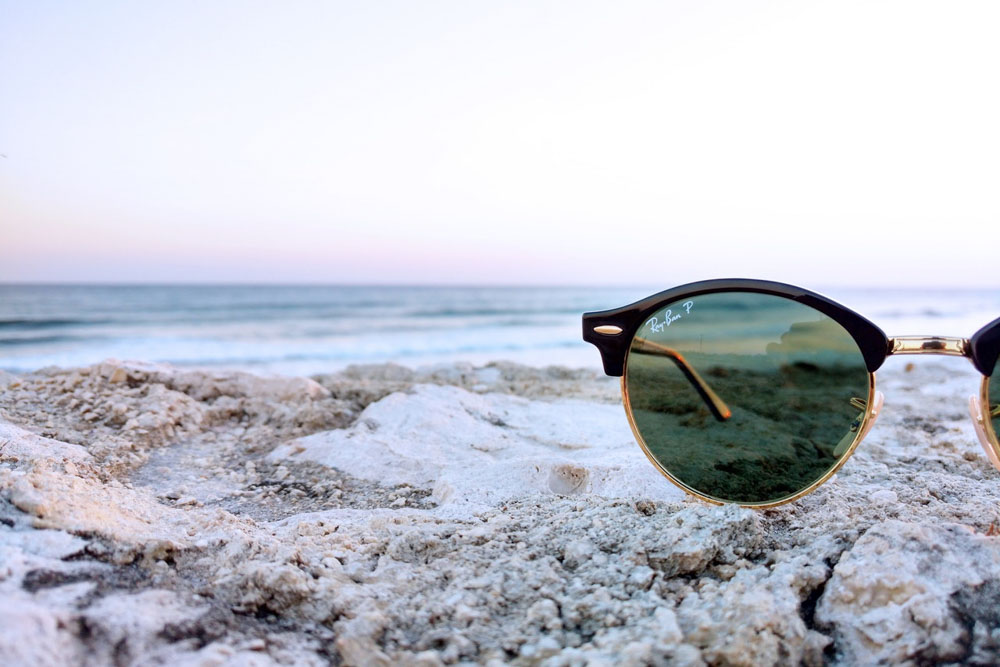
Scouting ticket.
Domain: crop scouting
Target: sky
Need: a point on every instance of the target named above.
(550, 143)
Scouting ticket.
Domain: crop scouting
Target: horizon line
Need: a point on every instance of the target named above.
(440, 285)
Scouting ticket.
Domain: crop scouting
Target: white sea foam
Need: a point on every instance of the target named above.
(306, 330)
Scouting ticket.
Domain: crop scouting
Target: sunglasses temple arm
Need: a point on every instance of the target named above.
(715, 404)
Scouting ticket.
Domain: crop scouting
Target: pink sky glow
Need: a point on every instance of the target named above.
(845, 143)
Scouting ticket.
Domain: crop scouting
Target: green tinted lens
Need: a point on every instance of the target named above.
(792, 381)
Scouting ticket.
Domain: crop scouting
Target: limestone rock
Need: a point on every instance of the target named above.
(461, 514)
(477, 449)
(917, 593)
(18, 444)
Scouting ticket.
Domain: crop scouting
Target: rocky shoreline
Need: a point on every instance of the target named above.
(160, 515)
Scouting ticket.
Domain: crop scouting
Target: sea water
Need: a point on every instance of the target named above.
(315, 329)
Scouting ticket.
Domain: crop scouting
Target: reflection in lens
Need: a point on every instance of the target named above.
(794, 382)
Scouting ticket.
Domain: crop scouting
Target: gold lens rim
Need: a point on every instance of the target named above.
(859, 436)
(985, 419)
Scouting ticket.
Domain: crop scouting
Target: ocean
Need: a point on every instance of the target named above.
(304, 330)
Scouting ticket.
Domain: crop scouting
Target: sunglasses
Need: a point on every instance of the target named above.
(756, 392)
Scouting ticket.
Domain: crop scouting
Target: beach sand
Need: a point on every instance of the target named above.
(151, 514)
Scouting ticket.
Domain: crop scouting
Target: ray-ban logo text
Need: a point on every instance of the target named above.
(669, 317)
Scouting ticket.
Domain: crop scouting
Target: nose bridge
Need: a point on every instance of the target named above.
(957, 347)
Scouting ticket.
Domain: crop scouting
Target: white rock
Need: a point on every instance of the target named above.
(540, 564)
(8, 379)
(484, 449)
(884, 497)
(905, 592)
(201, 384)
(33, 634)
(128, 625)
(16, 443)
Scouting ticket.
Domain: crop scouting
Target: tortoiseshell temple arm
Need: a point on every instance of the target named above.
(715, 404)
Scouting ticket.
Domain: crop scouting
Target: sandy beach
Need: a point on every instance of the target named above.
(152, 514)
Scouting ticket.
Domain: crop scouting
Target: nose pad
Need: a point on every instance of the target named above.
(976, 411)
(873, 412)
